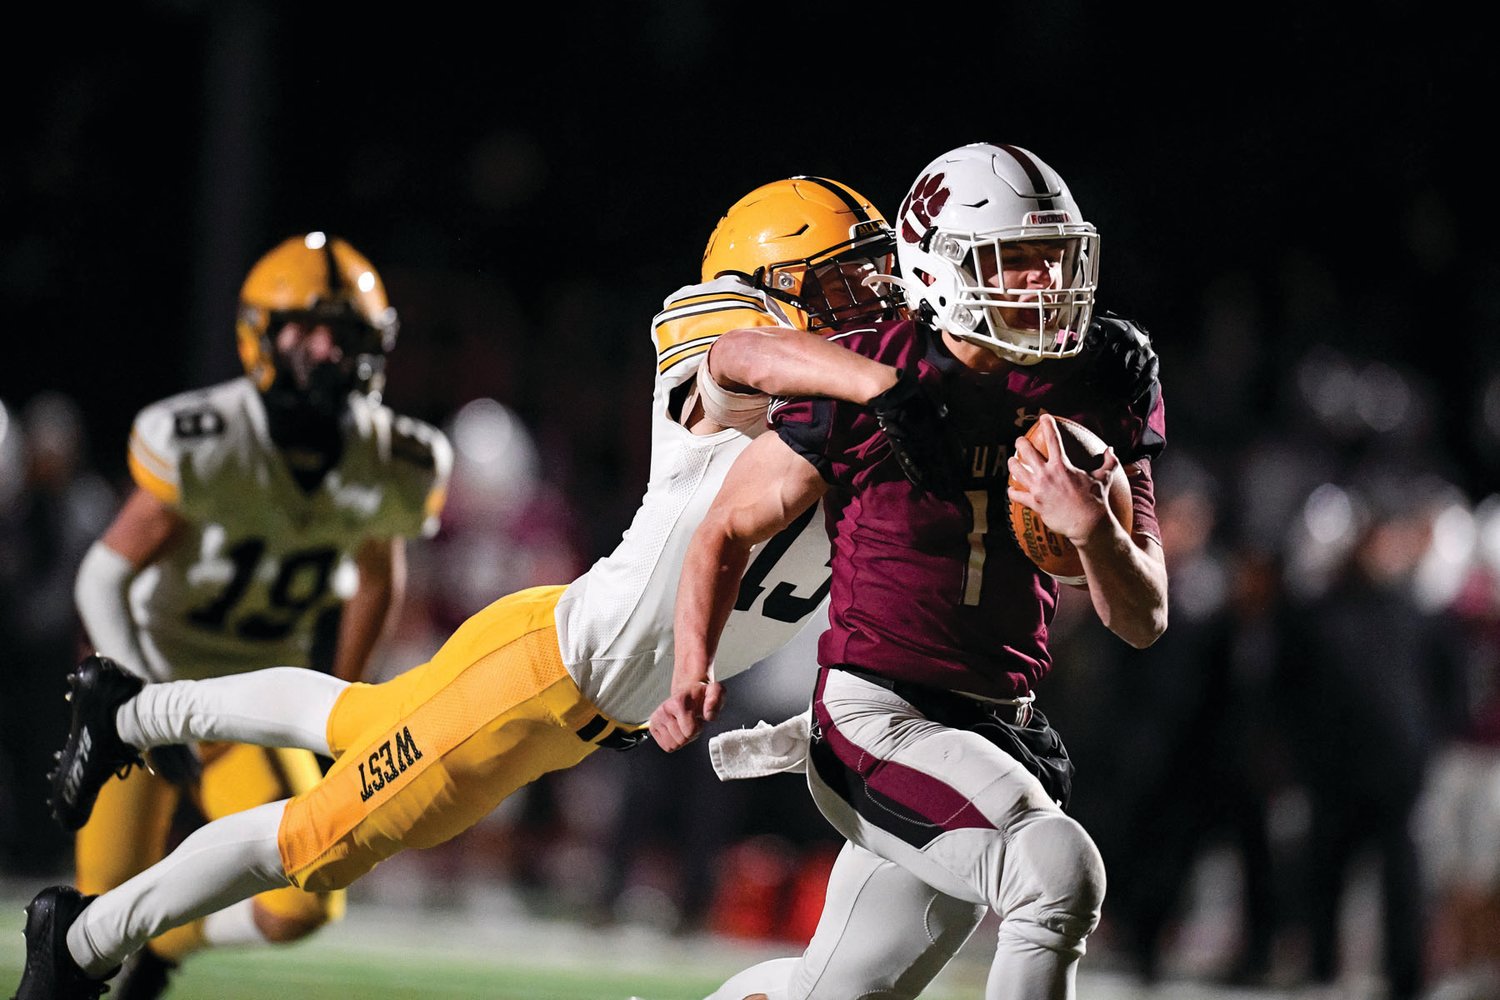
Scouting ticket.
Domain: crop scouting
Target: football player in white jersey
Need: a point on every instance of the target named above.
(536, 681)
(266, 509)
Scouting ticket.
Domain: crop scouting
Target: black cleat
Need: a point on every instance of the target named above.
(144, 976)
(51, 973)
(94, 750)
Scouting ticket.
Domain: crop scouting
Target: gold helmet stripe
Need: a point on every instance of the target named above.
(335, 273)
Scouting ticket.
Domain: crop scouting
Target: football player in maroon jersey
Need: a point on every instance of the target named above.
(926, 748)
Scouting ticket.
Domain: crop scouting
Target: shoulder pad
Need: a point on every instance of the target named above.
(163, 432)
(427, 450)
(416, 442)
(694, 316)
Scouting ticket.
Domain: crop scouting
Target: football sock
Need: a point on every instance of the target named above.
(229, 860)
(276, 707)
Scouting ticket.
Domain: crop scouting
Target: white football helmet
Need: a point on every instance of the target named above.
(966, 207)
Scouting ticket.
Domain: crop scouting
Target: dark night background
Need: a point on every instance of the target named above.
(1266, 180)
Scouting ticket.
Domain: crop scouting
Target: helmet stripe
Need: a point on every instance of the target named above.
(335, 276)
(1033, 173)
(854, 204)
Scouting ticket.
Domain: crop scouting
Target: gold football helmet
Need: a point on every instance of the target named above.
(320, 279)
(808, 242)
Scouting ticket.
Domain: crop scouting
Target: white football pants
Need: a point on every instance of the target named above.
(883, 935)
(967, 819)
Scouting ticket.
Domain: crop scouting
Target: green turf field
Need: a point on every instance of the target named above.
(385, 952)
(380, 953)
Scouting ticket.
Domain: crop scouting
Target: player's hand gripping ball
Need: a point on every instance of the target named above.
(1053, 553)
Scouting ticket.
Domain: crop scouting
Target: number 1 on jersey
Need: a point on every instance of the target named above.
(979, 501)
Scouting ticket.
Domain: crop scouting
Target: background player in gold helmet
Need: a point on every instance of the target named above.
(253, 498)
(534, 682)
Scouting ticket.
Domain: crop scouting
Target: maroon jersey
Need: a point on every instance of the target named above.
(935, 591)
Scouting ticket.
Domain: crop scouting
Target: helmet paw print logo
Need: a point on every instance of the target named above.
(926, 199)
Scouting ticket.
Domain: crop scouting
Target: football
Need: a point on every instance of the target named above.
(1052, 553)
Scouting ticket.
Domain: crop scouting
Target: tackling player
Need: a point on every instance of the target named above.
(539, 679)
(254, 500)
(925, 747)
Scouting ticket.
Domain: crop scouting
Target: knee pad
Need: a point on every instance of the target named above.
(1060, 873)
(289, 914)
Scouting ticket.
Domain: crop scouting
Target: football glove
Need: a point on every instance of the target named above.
(924, 442)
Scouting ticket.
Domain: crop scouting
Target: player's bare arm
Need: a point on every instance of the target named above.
(1127, 574)
(367, 615)
(786, 362)
(782, 361)
(746, 366)
(768, 486)
(143, 528)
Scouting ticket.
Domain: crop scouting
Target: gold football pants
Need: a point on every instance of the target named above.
(429, 753)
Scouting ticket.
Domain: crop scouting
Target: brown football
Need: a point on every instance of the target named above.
(1052, 553)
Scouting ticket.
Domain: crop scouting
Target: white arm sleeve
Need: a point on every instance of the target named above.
(746, 413)
(101, 593)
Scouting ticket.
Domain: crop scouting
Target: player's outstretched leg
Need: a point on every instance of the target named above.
(94, 751)
(51, 973)
(116, 716)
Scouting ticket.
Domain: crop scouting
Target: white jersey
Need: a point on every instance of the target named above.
(614, 623)
(262, 560)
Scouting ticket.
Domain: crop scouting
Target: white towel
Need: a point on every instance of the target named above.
(763, 750)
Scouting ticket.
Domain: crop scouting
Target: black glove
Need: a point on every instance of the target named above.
(178, 763)
(924, 442)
